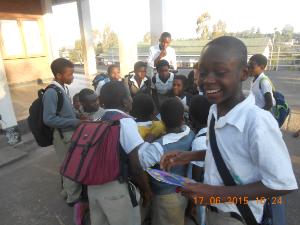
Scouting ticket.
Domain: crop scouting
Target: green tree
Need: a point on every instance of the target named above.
(219, 29)
(202, 26)
(147, 37)
(75, 54)
(109, 38)
(287, 32)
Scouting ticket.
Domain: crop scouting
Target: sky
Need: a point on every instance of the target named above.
(180, 16)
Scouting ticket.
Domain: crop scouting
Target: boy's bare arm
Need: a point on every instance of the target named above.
(176, 158)
(139, 176)
(209, 193)
(268, 101)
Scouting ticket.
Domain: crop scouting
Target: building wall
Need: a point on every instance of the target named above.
(26, 66)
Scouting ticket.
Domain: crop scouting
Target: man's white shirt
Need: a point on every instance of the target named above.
(170, 56)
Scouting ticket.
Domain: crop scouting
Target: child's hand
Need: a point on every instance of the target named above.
(200, 193)
(163, 53)
(174, 158)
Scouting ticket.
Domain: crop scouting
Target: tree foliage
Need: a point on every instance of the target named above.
(219, 29)
(203, 26)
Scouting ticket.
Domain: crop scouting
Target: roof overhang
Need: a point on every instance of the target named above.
(59, 2)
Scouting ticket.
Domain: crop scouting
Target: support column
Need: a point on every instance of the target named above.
(89, 57)
(157, 19)
(127, 38)
(52, 48)
(8, 120)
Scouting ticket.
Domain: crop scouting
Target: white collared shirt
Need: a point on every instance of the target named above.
(129, 134)
(136, 84)
(163, 87)
(253, 149)
(170, 56)
(199, 144)
(259, 88)
(150, 154)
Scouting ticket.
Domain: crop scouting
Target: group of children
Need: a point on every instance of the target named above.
(165, 125)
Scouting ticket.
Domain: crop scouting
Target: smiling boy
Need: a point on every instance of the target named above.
(245, 137)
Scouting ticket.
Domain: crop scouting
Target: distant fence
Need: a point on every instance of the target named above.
(278, 60)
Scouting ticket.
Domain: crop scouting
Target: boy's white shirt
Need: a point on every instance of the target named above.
(260, 88)
(129, 134)
(163, 87)
(253, 149)
(136, 84)
(170, 56)
(200, 144)
(151, 153)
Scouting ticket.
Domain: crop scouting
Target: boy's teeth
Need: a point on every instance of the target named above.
(212, 91)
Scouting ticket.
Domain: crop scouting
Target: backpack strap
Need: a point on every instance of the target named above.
(60, 102)
(202, 135)
(227, 178)
(268, 79)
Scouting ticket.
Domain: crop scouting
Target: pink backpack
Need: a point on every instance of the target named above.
(94, 156)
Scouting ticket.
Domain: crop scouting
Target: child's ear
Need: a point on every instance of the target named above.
(244, 73)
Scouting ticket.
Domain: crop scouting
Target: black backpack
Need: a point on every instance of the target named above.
(41, 132)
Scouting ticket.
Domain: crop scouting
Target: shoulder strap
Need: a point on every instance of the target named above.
(60, 97)
(201, 135)
(60, 102)
(268, 79)
(228, 180)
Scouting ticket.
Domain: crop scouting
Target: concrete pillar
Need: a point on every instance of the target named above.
(8, 120)
(52, 48)
(157, 19)
(89, 57)
(127, 38)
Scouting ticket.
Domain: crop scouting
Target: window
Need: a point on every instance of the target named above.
(32, 37)
(12, 43)
(21, 38)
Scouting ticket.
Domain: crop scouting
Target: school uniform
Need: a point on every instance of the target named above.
(259, 88)
(162, 88)
(168, 207)
(253, 149)
(110, 203)
(154, 53)
(134, 88)
(64, 125)
(94, 115)
(200, 144)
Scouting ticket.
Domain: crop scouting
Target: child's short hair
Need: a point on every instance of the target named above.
(59, 64)
(162, 63)
(259, 59)
(111, 67)
(142, 106)
(199, 109)
(171, 112)
(165, 35)
(233, 45)
(85, 92)
(182, 78)
(113, 93)
(139, 64)
(76, 96)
